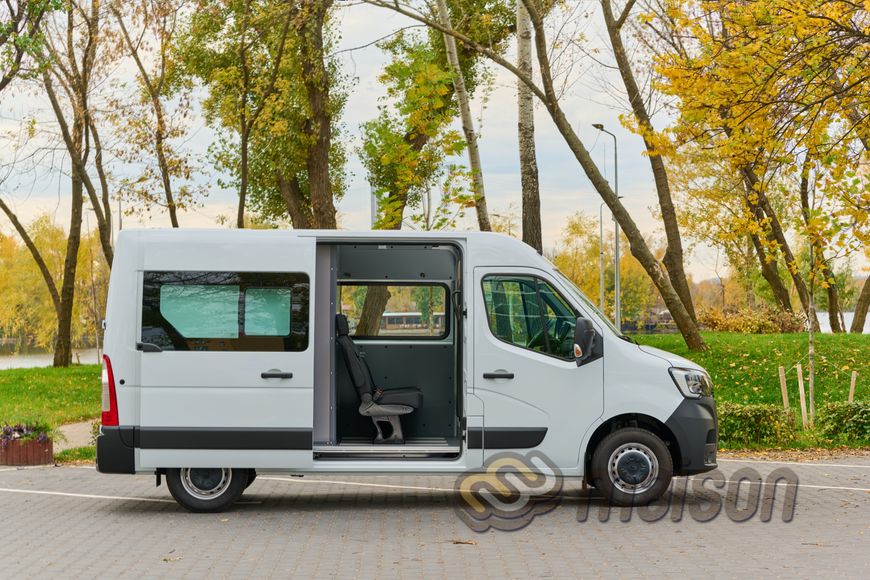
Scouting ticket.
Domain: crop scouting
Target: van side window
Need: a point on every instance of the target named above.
(406, 311)
(528, 312)
(241, 311)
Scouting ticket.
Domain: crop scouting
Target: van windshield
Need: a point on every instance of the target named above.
(574, 291)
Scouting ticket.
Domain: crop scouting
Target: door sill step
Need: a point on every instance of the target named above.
(416, 446)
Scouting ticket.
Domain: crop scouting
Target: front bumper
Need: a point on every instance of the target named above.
(694, 425)
(114, 455)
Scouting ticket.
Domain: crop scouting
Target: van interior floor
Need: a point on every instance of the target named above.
(422, 447)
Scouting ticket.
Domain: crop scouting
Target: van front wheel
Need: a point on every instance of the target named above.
(632, 466)
(206, 490)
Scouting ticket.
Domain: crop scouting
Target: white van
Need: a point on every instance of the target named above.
(235, 352)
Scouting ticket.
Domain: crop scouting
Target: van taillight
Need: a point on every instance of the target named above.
(110, 399)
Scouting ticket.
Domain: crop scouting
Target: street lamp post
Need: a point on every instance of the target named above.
(601, 256)
(617, 307)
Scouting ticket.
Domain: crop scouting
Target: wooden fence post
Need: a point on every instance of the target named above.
(852, 386)
(783, 389)
(800, 374)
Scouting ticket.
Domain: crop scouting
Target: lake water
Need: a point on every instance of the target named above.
(44, 359)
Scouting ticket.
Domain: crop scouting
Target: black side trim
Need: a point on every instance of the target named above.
(113, 456)
(506, 437)
(222, 438)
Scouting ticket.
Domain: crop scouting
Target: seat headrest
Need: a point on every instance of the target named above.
(341, 326)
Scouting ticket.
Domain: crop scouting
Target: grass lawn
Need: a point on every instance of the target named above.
(54, 396)
(86, 454)
(744, 367)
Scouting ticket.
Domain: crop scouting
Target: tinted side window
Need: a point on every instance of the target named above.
(241, 311)
(529, 313)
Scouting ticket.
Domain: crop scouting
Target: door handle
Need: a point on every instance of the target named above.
(498, 375)
(148, 347)
(276, 375)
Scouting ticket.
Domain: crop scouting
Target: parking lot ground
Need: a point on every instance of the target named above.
(75, 522)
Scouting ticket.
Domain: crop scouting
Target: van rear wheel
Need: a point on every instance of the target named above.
(206, 490)
(632, 466)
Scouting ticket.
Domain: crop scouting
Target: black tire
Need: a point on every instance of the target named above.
(206, 490)
(252, 475)
(641, 468)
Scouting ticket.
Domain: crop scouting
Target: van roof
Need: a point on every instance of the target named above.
(497, 246)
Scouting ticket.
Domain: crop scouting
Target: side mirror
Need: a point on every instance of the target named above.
(584, 339)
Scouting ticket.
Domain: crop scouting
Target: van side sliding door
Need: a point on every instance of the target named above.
(225, 349)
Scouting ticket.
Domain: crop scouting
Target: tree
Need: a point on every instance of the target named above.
(551, 101)
(526, 135)
(70, 49)
(27, 311)
(237, 48)
(300, 127)
(21, 37)
(745, 92)
(467, 121)
(78, 58)
(642, 124)
(150, 125)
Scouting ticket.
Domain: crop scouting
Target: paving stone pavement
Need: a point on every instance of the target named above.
(74, 522)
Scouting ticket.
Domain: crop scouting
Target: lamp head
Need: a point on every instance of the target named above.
(598, 126)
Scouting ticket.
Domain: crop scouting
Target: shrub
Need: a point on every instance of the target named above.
(24, 432)
(754, 425)
(845, 421)
(752, 321)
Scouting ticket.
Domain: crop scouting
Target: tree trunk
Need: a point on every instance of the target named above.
(771, 275)
(299, 210)
(319, 125)
(673, 258)
(861, 308)
(243, 174)
(159, 149)
(526, 136)
(63, 340)
(779, 235)
(369, 323)
(467, 121)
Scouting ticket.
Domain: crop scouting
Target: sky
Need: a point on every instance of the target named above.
(564, 187)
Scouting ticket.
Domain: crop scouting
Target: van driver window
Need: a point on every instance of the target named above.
(528, 312)
(241, 311)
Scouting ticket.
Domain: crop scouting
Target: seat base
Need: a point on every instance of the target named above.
(395, 437)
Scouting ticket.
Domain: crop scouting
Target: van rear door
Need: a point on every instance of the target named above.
(226, 351)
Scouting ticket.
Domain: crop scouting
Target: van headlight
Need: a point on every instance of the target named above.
(692, 382)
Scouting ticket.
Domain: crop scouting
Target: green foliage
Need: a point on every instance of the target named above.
(745, 367)
(56, 395)
(222, 41)
(406, 148)
(754, 425)
(845, 421)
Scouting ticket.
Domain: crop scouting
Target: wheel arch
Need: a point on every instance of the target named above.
(638, 420)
